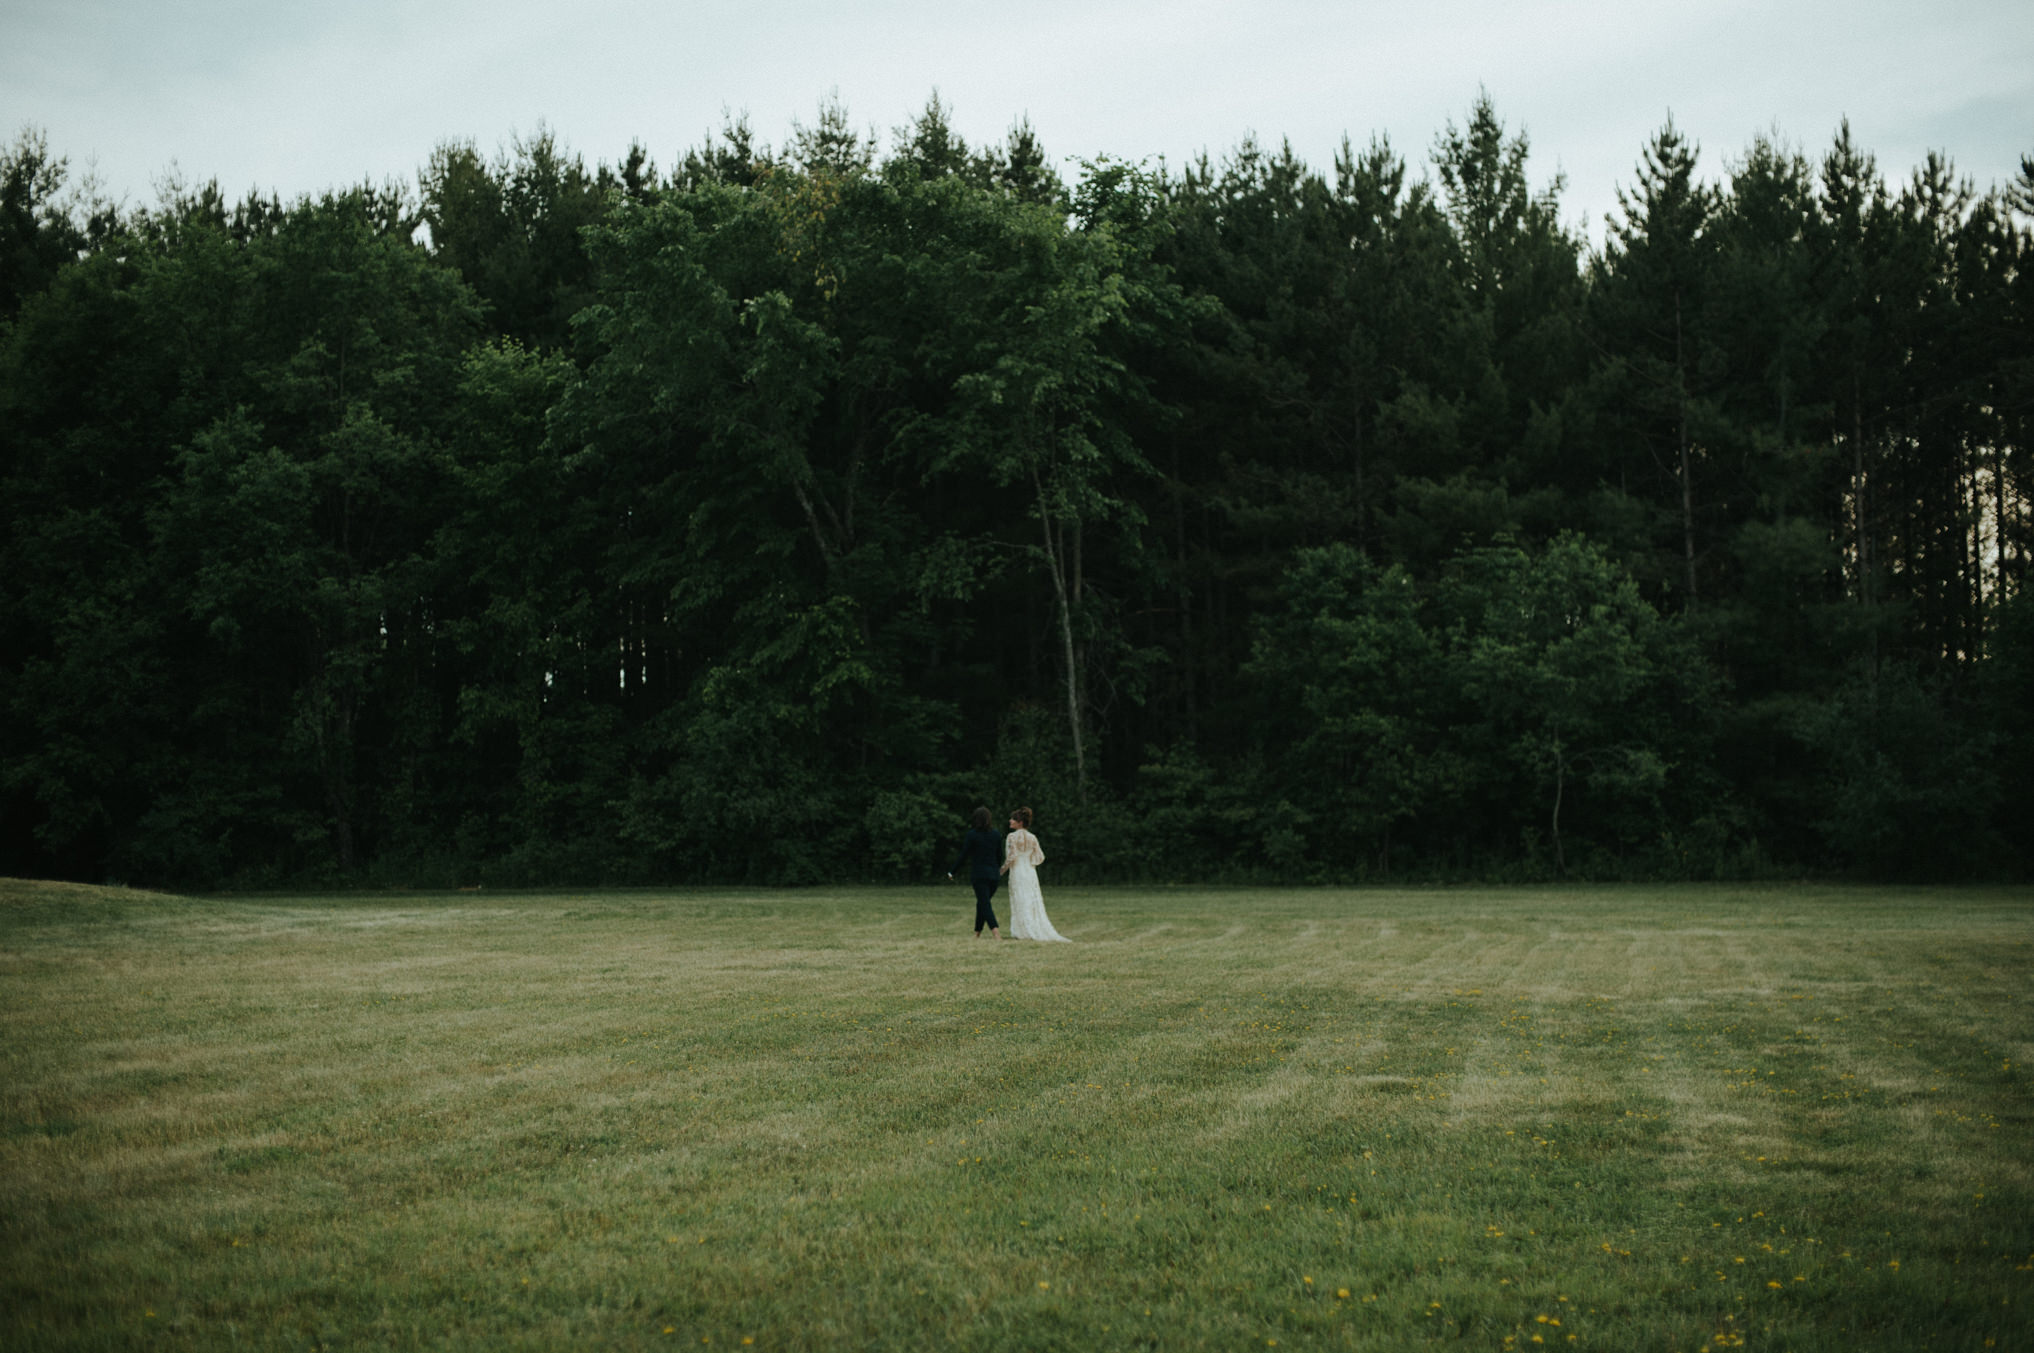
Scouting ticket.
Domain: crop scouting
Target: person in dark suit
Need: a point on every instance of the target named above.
(982, 853)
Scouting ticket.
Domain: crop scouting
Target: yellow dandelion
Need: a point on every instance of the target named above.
(1045, 1287)
(1341, 1294)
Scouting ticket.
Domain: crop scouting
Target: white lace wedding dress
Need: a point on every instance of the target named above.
(1028, 920)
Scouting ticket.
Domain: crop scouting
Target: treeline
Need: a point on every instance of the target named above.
(755, 519)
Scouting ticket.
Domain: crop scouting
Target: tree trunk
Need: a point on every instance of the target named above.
(1999, 518)
(1186, 600)
(1859, 489)
(342, 829)
(1356, 446)
(1560, 783)
(338, 780)
(1687, 478)
(1055, 565)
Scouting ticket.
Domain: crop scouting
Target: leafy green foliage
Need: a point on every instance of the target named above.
(757, 520)
(1521, 688)
(38, 230)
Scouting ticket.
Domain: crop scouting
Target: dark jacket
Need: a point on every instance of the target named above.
(982, 852)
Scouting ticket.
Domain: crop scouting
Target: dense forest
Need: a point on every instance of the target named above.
(754, 519)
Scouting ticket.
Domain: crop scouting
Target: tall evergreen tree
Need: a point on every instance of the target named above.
(37, 234)
(1648, 311)
(511, 226)
(742, 524)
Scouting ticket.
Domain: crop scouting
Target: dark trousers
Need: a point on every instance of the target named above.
(985, 897)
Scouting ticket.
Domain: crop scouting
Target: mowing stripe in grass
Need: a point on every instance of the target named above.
(829, 1118)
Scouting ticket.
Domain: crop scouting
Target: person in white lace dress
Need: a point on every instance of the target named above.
(1021, 858)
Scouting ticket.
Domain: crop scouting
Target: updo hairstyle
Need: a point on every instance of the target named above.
(1023, 817)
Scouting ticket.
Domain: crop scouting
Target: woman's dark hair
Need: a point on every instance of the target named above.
(981, 820)
(1023, 816)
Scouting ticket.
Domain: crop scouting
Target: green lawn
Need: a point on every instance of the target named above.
(1596, 1118)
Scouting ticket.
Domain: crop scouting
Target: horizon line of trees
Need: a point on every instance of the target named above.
(755, 519)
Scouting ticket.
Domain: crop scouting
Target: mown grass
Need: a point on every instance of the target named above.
(1603, 1118)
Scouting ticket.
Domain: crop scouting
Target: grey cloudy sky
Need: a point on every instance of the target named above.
(297, 96)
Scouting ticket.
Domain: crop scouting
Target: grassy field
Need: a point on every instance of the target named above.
(1601, 1118)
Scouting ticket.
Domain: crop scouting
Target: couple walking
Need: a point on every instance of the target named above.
(1017, 855)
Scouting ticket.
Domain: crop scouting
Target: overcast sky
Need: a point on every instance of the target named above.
(293, 96)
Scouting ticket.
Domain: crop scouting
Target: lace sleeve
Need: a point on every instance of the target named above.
(1032, 851)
